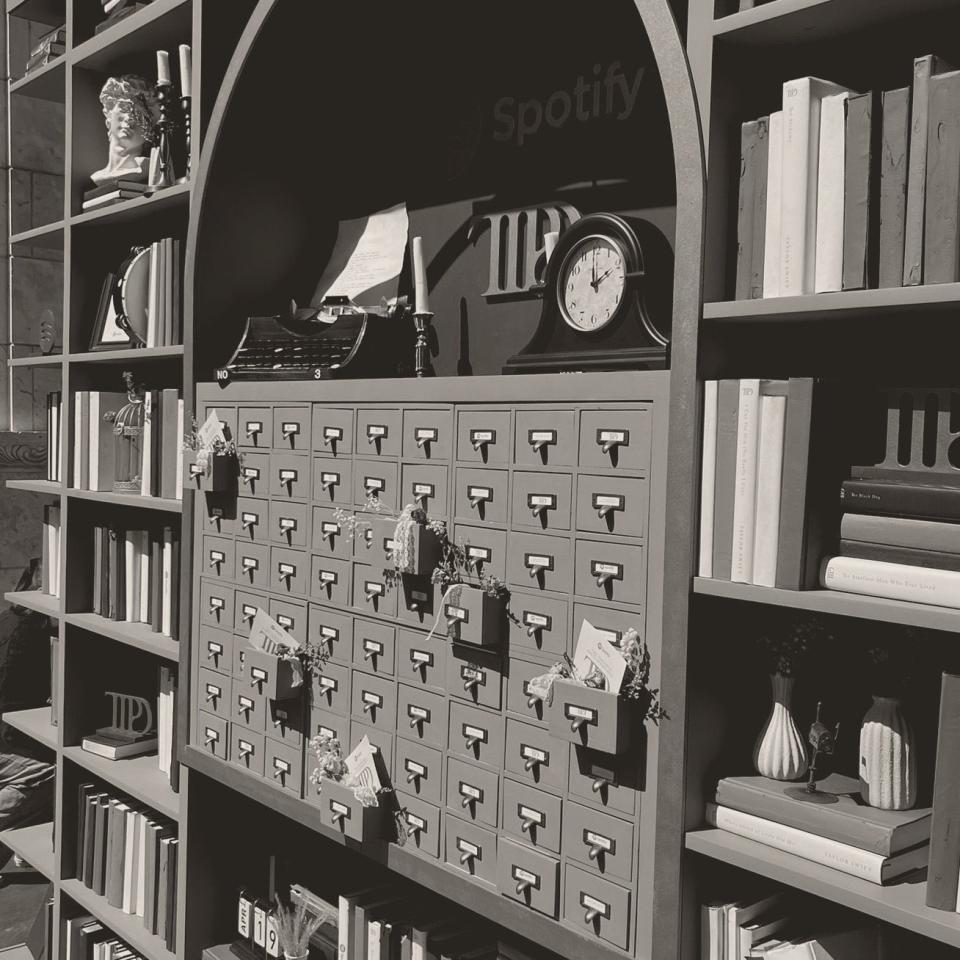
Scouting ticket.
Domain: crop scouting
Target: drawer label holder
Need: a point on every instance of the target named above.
(376, 431)
(470, 794)
(598, 844)
(474, 735)
(415, 824)
(530, 817)
(578, 716)
(603, 503)
(538, 502)
(525, 879)
(541, 438)
(594, 907)
(533, 755)
(424, 435)
(536, 563)
(417, 715)
(468, 851)
(414, 769)
(480, 438)
(608, 440)
(603, 571)
(332, 435)
(535, 622)
(456, 614)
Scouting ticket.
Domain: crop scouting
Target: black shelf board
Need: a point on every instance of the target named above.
(51, 12)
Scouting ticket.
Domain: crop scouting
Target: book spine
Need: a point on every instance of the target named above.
(894, 581)
(941, 236)
(146, 446)
(761, 155)
(77, 439)
(791, 537)
(728, 408)
(708, 472)
(801, 129)
(903, 499)
(179, 479)
(745, 485)
(769, 470)
(152, 295)
(828, 262)
(808, 846)
(902, 532)
(345, 930)
(895, 136)
(944, 864)
(83, 441)
(773, 218)
(751, 154)
(859, 187)
(912, 558)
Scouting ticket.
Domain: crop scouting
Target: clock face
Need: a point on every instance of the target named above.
(592, 283)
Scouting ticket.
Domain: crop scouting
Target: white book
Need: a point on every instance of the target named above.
(771, 236)
(708, 477)
(345, 929)
(50, 534)
(801, 154)
(745, 483)
(894, 581)
(741, 914)
(873, 867)
(166, 626)
(766, 534)
(163, 720)
(129, 846)
(93, 438)
(373, 940)
(830, 193)
(143, 832)
(131, 582)
(77, 440)
(146, 453)
(711, 931)
(152, 295)
(143, 550)
(179, 442)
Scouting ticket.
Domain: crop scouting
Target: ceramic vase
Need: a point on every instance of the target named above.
(888, 757)
(780, 753)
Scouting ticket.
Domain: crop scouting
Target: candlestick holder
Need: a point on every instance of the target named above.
(162, 174)
(185, 107)
(421, 351)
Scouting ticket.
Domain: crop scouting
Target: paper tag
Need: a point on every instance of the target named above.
(620, 437)
(426, 433)
(362, 766)
(418, 713)
(483, 436)
(541, 500)
(468, 790)
(341, 808)
(330, 478)
(418, 769)
(533, 816)
(573, 712)
(418, 822)
(457, 613)
(592, 903)
(424, 490)
(479, 493)
(210, 432)
(421, 656)
(608, 500)
(376, 430)
(465, 847)
(250, 518)
(326, 732)
(374, 699)
(475, 733)
(598, 840)
(373, 646)
(373, 483)
(534, 753)
(328, 576)
(594, 651)
(479, 553)
(539, 620)
(526, 876)
(471, 673)
(332, 433)
(541, 561)
(542, 436)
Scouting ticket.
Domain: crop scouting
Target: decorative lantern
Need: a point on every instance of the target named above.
(128, 441)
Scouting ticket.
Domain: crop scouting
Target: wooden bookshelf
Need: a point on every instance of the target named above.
(34, 844)
(45, 83)
(137, 635)
(165, 505)
(35, 600)
(51, 487)
(35, 723)
(138, 776)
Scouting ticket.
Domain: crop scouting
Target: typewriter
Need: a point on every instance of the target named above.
(336, 339)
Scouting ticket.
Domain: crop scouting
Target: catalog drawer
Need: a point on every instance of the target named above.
(253, 565)
(519, 700)
(612, 622)
(291, 428)
(540, 562)
(471, 849)
(382, 741)
(289, 570)
(605, 781)
(597, 906)
(288, 523)
(344, 812)
(611, 571)
(332, 481)
(528, 877)
(332, 430)
(374, 647)
(255, 428)
(481, 495)
(245, 607)
(371, 591)
(427, 434)
(285, 721)
(373, 539)
(214, 692)
(541, 500)
(240, 647)
(249, 707)
(253, 519)
(545, 438)
(255, 474)
(324, 723)
(274, 677)
(603, 844)
(475, 675)
(472, 792)
(376, 480)
(588, 717)
(213, 735)
(216, 604)
(283, 764)
(422, 715)
(378, 432)
(531, 815)
(418, 601)
(612, 504)
(330, 688)
(476, 734)
(329, 536)
(374, 700)
(216, 650)
(534, 756)
(292, 616)
(483, 436)
(289, 476)
(247, 749)
(419, 770)
(330, 580)
(485, 549)
(618, 439)
(421, 659)
(540, 626)
(421, 823)
(425, 485)
(475, 617)
(220, 515)
(332, 632)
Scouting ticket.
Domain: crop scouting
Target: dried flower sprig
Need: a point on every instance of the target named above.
(787, 644)
(296, 925)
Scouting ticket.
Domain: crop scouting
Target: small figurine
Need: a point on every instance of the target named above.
(824, 743)
(131, 111)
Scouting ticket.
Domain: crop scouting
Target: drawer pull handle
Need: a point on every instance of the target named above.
(250, 520)
(419, 666)
(467, 801)
(330, 534)
(211, 737)
(591, 914)
(254, 427)
(287, 478)
(196, 470)
(602, 578)
(287, 525)
(337, 816)
(250, 564)
(471, 742)
(523, 886)
(212, 653)
(540, 443)
(470, 682)
(609, 443)
(372, 590)
(479, 442)
(415, 721)
(527, 824)
(243, 711)
(247, 479)
(285, 575)
(368, 706)
(599, 783)
(289, 429)
(537, 568)
(216, 560)
(248, 616)
(412, 776)
(606, 508)
(467, 855)
(278, 723)
(595, 850)
(414, 830)
(370, 654)
(577, 723)
(533, 629)
(539, 508)
(423, 440)
(213, 696)
(278, 773)
(530, 763)
(246, 750)
(532, 702)
(452, 620)
(329, 482)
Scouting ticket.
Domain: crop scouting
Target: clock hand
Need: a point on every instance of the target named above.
(602, 277)
(593, 273)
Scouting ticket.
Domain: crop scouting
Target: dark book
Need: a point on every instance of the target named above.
(45, 558)
(171, 929)
(895, 137)
(753, 194)
(923, 135)
(120, 13)
(83, 399)
(728, 407)
(92, 933)
(76, 943)
(98, 534)
(847, 820)
(902, 532)
(174, 749)
(54, 674)
(163, 890)
(861, 188)
(116, 847)
(944, 865)
(156, 580)
(151, 865)
(103, 405)
(86, 861)
(941, 238)
(101, 837)
(174, 586)
(904, 499)
(906, 555)
(115, 184)
(155, 448)
(106, 843)
(84, 792)
(170, 441)
(117, 564)
(176, 329)
(105, 567)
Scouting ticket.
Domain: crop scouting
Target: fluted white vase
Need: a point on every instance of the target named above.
(888, 757)
(780, 753)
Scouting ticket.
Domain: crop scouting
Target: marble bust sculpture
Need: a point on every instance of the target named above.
(131, 113)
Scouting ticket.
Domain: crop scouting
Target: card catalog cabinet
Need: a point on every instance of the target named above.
(555, 485)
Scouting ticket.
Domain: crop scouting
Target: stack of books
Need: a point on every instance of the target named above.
(88, 939)
(878, 846)
(161, 449)
(127, 854)
(136, 575)
(117, 10)
(50, 569)
(114, 190)
(54, 421)
(847, 190)
(50, 46)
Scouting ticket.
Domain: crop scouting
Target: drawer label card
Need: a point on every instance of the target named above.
(251, 473)
(287, 523)
(421, 490)
(246, 704)
(472, 849)
(478, 437)
(592, 903)
(426, 434)
(540, 621)
(548, 500)
(472, 673)
(373, 588)
(376, 431)
(327, 683)
(215, 648)
(609, 500)
(328, 576)
(373, 646)
(326, 731)
(280, 716)
(389, 545)
(288, 476)
(601, 568)
(329, 528)
(457, 613)
(250, 563)
(418, 713)
(471, 792)
(475, 733)
(287, 569)
(534, 753)
(340, 808)
(217, 556)
(216, 603)
(374, 699)
(599, 842)
(214, 691)
(248, 611)
(333, 433)
(541, 436)
(254, 426)
(374, 483)
(479, 553)
(532, 816)
(329, 479)
(614, 437)
(539, 561)
(416, 822)
(250, 519)
(285, 621)
(419, 595)
(289, 427)
(421, 656)
(212, 735)
(330, 633)
(260, 676)
(573, 712)
(525, 876)
(281, 765)
(480, 493)
(417, 769)
(245, 746)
